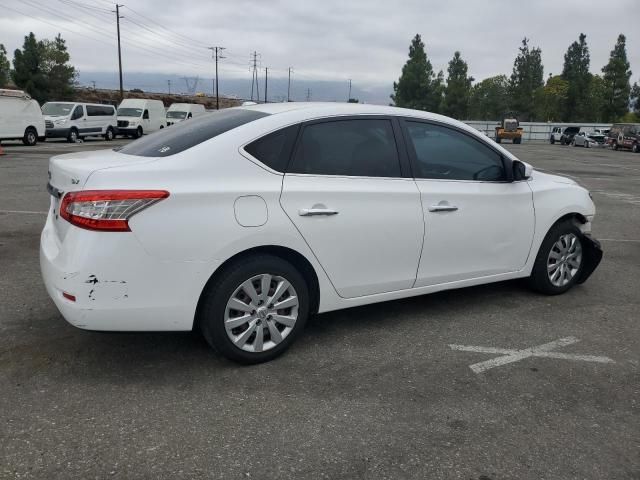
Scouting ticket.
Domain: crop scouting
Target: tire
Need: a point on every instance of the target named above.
(228, 287)
(573, 142)
(570, 261)
(517, 141)
(635, 148)
(587, 145)
(498, 139)
(109, 134)
(73, 136)
(615, 145)
(30, 137)
(138, 133)
(552, 140)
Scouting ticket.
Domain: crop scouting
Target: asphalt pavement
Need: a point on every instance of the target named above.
(381, 391)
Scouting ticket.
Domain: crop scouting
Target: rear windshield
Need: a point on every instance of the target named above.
(185, 135)
(572, 130)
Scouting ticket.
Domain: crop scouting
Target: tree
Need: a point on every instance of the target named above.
(415, 87)
(27, 71)
(5, 66)
(60, 75)
(635, 96)
(436, 102)
(551, 99)
(525, 80)
(596, 99)
(41, 68)
(489, 99)
(576, 73)
(616, 80)
(458, 89)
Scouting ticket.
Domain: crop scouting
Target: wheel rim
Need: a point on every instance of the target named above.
(74, 136)
(564, 259)
(261, 313)
(31, 138)
(109, 134)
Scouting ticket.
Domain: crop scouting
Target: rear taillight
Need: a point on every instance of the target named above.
(107, 210)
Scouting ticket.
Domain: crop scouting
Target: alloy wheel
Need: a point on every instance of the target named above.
(261, 313)
(564, 259)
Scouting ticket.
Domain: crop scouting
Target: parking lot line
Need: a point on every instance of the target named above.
(510, 356)
(24, 212)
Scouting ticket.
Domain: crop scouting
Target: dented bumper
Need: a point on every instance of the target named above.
(592, 255)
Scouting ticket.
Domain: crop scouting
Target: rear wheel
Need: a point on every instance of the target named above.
(635, 148)
(255, 309)
(30, 137)
(109, 134)
(498, 139)
(559, 260)
(552, 140)
(615, 145)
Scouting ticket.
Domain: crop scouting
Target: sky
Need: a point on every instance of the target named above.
(330, 40)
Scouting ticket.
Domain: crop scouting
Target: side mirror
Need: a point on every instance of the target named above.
(521, 171)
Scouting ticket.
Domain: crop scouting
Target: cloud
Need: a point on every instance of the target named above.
(365, 40)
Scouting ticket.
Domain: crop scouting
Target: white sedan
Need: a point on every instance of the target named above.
(244, 222)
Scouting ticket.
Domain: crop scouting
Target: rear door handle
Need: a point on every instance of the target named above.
(443, 208)
(312, 212)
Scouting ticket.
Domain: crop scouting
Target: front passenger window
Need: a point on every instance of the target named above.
(145, 115)
(77, 113)
(447, 154)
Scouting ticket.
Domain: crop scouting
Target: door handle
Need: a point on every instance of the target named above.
(443, 208)
(313, 212)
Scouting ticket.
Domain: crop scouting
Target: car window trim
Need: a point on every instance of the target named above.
(339, 118)
(507, 163)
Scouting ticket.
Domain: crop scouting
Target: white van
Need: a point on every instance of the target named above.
(72, 120)
(20, 117)
(137, 116)
(183, 111)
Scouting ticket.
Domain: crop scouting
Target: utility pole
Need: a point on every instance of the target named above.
(308, 94)
(254, 76)
(169, 84)
(349, 97)
(289, 86)
(215, 52)
(266, 73)
(118, 17)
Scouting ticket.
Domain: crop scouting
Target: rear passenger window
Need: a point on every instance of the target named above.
(99, 111)
(362, 148)
(446, 154)
(274, 149)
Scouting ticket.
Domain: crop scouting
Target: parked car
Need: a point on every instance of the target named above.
(589, 139)
(178, 112)
(244, 222)
(625, 135)
(20, 117)
(72, 120)
(138, 116)
(563, 135)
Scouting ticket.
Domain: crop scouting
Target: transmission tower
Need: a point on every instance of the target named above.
(192, 84)
(254, 75)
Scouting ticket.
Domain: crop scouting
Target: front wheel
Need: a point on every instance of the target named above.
(255, 309)
(615, 145)
(73, 136)
(552, 140)
(138, 132)
(559, 260)
(635, 148)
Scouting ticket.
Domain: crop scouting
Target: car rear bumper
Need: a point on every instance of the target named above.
(117, 285)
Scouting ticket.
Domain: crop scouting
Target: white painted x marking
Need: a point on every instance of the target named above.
(510, 356)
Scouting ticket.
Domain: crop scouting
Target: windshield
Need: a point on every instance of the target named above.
(129, 112)
(572, 130)
(185, 135)
(55, 109)
(176, 114)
